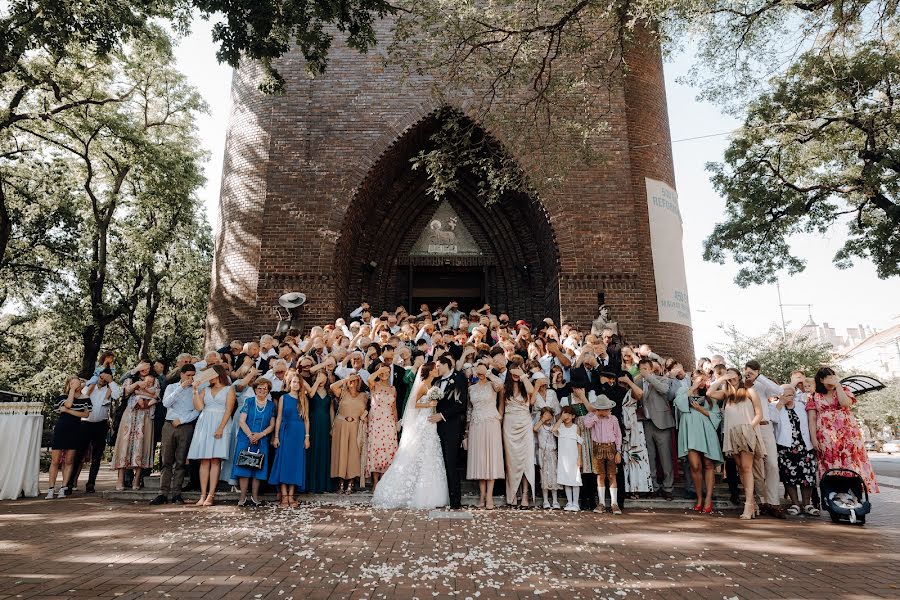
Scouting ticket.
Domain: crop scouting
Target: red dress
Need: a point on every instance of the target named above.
(382, 444)
(840, 439)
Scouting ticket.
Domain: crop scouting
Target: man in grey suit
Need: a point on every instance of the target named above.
(659, 423)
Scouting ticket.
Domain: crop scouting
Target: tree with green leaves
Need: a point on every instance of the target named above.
(50, 52)
(822, 147)
(877, 409)
(778, 354)
(133, 166)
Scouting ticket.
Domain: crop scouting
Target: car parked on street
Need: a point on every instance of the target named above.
(874, 445)
(891, 447)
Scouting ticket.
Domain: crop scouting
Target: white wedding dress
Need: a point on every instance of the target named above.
(416, 478)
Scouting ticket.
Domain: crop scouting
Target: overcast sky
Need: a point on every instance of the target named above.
(840, 298)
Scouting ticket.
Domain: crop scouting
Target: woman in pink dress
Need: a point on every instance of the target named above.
(382, 424)
(835, 433)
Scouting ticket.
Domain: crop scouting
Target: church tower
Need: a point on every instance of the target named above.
(318, 196)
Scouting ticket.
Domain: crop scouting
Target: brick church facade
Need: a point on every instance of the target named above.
(318, 196)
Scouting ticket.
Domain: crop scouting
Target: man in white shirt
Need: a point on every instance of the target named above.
(356, 366)
(95, 426)
(767, 481)
(209, 359)
(364, 314)
(453, 314)
(425, 333)
(555, 356)
(276, 375)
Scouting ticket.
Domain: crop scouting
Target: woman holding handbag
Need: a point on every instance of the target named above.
(251, 454)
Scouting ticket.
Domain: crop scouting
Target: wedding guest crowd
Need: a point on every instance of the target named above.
(550, 408)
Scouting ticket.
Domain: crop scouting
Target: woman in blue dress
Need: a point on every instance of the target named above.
(292, 439)
(256, 422)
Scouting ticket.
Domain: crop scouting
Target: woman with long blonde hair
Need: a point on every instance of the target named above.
(742, 412)
(291, 438)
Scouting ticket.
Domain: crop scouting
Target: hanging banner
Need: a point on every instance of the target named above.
(668, 253)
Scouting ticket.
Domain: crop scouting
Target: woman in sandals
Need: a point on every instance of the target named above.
(347, 451)
(796, 456)
(292, 438)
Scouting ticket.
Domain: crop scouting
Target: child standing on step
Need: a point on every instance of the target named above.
(568, 464)
(546, 456)
(606, 448)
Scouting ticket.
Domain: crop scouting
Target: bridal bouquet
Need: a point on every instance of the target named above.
(434, 394)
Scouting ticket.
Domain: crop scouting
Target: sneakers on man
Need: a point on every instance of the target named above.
(49, 495)
(616, 510)
(600, 509)
(159, 500)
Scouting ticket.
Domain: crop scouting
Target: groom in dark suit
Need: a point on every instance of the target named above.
(449, 415)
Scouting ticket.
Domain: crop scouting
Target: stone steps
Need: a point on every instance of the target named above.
(365, 497)
(470, 487)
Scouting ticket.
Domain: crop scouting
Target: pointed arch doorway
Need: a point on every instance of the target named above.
(401, 246)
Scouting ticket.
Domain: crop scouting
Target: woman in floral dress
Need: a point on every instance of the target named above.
(836, 435)
(796, 457)
(134, 442)
(382, 424)
(634, 451)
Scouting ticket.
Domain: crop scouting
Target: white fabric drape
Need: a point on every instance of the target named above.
(20, 455)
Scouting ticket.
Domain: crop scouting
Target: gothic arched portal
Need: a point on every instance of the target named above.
(504, 254)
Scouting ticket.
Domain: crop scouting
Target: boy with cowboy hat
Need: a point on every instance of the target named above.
(606, 450)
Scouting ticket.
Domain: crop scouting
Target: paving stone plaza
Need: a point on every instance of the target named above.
(90, 547)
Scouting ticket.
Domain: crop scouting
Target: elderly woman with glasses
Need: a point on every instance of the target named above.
(256, 422)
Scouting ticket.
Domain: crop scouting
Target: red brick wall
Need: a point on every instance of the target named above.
(317, 182)
(650, 149)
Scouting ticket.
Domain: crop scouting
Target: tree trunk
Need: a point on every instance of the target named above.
(152, 301)
(92, 341)
(5, 225)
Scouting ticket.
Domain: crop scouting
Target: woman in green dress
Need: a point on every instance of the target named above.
(698, 419)
(321, 415)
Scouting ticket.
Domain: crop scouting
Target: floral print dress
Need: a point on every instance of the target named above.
(634, 450)
(840, 438)
(382, 431)
(796, 464)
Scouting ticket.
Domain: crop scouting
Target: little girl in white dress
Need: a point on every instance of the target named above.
(568, 466)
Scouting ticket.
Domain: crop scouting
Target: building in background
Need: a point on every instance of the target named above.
(878, 354)
(828, 335)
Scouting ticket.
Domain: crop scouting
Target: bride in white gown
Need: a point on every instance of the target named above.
(416, 478)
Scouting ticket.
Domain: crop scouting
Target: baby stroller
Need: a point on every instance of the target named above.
(845, 496)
